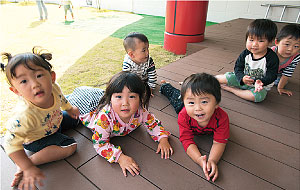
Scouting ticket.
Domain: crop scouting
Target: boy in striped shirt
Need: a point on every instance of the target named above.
(138, 60)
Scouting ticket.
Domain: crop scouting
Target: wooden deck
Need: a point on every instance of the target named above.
(262, 152)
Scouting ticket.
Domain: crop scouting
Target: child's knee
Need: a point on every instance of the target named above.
(259, 96)
(70, 149)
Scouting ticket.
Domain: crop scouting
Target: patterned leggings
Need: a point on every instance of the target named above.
(173, 95)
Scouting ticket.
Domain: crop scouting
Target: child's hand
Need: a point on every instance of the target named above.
(284, 91)
(73, 112)
(127, 163)
(258, 86)
(213, 169)
(164, 148)
(30, 177)
(59, 6)
(248, 80)
(202, 162)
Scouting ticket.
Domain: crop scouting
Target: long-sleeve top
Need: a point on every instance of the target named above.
(107, 124)
(145, 70)
(287, 67)
(31, 123)
(264, 68)
(188, 127)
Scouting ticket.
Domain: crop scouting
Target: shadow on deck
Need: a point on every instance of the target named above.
(262, 153)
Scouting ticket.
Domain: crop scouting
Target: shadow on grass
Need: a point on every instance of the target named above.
(35, 24)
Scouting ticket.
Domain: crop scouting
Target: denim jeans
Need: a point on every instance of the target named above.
(42, 7)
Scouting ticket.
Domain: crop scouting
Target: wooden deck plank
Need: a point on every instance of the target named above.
(231, 177)
(85, 150)
(154, 170)
(8, 170)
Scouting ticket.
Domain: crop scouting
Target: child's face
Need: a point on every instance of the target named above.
(141, 52)
(125, 104)
(34, 85)
(287, 47)
(257, 46)
(201, 107)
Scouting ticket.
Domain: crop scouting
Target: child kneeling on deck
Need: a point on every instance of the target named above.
(288, 51)
(121, 110)
(38, 120)
(199, 113)
(256, 68)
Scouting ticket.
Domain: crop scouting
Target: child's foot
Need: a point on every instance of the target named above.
(18, 178)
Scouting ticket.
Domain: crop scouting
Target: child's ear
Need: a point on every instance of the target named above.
(130, 53)
(216, 106)
(276, 42)
(14, 90)
(53, 76)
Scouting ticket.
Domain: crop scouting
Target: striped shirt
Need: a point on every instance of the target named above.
(288, 66)
(145, 70)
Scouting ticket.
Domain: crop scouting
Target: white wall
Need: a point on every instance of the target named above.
(218, 10)
(223, 10)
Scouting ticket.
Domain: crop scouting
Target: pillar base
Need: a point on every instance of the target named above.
(178, 43)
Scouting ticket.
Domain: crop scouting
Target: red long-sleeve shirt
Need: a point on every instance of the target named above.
(188, 127)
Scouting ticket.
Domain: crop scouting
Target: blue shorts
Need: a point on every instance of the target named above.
(232, 81)
(57, 138)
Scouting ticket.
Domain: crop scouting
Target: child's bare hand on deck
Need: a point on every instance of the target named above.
(164, 148)
(127, 163)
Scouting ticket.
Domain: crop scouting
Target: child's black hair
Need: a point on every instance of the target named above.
(38, 57)
(202, 83)
(262, 28)
(132, 81)
(289, 30)
(129, 40)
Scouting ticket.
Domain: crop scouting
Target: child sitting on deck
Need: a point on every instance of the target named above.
(121, 110)
(199, 113)
(287, 49)
(38, 121)
(137, 59)
(256, 68)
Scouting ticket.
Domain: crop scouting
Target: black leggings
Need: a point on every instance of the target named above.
(173, 95)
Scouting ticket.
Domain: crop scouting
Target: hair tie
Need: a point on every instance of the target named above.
(2, 66)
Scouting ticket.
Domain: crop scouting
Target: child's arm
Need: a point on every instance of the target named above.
(31, 174)
(158, 133)
(239, 66)
(73, 112)
(215, 154)
(280, 88)
(196, 156)
(152, 76)
(272, 68)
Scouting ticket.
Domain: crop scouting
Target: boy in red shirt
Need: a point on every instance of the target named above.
(199, 113)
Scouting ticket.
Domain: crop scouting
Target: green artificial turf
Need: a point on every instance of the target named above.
(152, 26)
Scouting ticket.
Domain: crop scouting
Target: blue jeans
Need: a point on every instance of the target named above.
(42, 7)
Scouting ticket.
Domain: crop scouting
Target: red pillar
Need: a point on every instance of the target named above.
(185, 23)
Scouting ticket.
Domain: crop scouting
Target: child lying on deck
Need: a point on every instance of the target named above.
(199, 113)
(120, 111)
